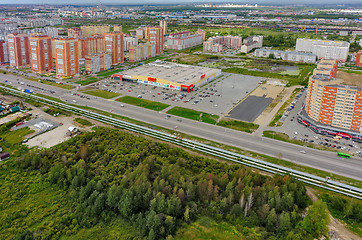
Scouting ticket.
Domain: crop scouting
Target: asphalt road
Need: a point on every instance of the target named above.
(327, 161)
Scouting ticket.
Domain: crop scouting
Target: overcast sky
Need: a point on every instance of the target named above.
(150, 2)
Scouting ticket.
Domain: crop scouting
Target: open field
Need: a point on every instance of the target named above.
(156, 106)
(102, 93)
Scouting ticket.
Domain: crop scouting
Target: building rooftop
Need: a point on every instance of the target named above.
(178, 73)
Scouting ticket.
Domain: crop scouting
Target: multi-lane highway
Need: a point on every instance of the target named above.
(327, 161)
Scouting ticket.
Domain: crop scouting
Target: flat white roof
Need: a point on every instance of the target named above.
(174, 72)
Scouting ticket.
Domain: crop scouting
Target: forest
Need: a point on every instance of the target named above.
(108, 174)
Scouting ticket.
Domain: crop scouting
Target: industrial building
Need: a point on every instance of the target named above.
(129, 41)
(113, 43)
(88, 31)
(216, 44)
(324, 49)
(182, 40)
(142, 52)
(41, 53)
(358, 59)
(155, 35)
(332, 108)
(18, 48)
(97, 62)
(170, 75)
(286, 55)
(251, 43)
(67, 57)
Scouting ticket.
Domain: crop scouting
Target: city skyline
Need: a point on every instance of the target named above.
(170, 2)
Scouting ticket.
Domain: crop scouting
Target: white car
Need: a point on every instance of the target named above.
(302, 151)
(122, 105)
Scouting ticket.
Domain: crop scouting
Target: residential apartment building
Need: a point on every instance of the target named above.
(67, 57)
(232, 42)
(113, 43)
(142, 52)
(324, 49)
(117, 28)
(251, 43)
(98, 62)
(4, 54)
(41, 53)
(286, 55)
(94, 30)
(359, 59)
(163, 25)
(183, 40)
(155, 35)
(203, 33)
(129, 41)
(216, 44)
(330, 103)
(75, 32)
(19, 54)
(89, 45)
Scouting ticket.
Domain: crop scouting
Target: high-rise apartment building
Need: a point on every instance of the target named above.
(129, 41)
(75, 32)
(328, 102)
(142, 52)
(94, 30)
(4, 54)
(324, 49)
(359, 58)
(41, 53)
(155, 35)
(89, 45)
(67, 57)
(97, 62)
(113, 43)
(19, 54)
(163, 25)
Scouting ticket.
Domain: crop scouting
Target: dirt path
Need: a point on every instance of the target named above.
(337, 230)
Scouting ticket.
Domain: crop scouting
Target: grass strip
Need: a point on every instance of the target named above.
(156, 106)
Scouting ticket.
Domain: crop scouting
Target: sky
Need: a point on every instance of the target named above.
(151, 2)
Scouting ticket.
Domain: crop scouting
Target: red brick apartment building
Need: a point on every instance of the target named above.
(19, 54)
(155, 35)
(67, 57)
(113, 43)
(41, 53)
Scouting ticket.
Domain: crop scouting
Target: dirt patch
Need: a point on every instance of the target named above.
(270, 91)
(337, 230)
(350, 78)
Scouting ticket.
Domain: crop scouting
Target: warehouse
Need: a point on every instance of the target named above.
(170, 75)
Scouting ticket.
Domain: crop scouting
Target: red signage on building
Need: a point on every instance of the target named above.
(202, 76)
(151, 79)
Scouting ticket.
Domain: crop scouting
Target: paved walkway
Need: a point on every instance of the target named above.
(269, 117)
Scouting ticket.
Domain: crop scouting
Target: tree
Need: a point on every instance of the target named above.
(271, 221)
(317, 219)
(284, 222)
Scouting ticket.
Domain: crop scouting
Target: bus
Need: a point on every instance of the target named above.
(343, 155)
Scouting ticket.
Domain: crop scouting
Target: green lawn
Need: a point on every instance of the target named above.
(102, 93)
(87, 81)
(16, 136)
(239, 125)
(83, 121)
(207, 228)
(63, 85)
(157, 106)
(108, 73)
(194, 115)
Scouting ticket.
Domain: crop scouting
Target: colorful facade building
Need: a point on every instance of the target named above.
(155, 35)
(41, 53)
(114, 44)
(98, 62)
(18, 48)
(183, 40)
(142, 52)
(67, 57)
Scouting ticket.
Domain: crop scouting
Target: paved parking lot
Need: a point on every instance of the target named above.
(217, 97)
(295, 130)
(250, 108)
